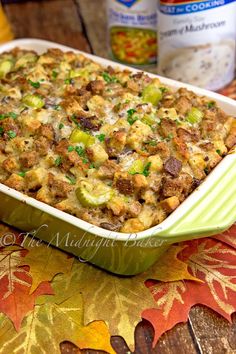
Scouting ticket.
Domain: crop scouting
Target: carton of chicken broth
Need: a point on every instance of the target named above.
(132, 27)
(197, 41)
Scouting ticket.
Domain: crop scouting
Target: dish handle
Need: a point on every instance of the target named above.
(213, 211)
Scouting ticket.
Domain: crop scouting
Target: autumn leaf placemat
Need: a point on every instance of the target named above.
(49, 297)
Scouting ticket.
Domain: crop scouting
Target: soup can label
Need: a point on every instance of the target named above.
(197, 41)
(132, 31)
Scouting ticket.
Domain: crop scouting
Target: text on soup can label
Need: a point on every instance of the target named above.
(132, 31)
(197, 41)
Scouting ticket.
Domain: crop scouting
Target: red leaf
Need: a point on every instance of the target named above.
(15, 283)
(228, 236)
(19, 302)
(208, 260)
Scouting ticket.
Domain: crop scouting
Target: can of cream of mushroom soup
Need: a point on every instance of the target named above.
(132, 31)
(197, 41)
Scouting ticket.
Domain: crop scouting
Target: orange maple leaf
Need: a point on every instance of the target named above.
(228, 236)
(209, 260)
(15, 283)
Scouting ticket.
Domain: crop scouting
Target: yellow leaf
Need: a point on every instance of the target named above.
(170, 268)
(116, 300)
(50, 323)
(45, 262)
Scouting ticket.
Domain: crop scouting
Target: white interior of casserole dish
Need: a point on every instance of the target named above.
(227, 104)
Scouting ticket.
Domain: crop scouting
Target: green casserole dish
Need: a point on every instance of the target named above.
(210, 209)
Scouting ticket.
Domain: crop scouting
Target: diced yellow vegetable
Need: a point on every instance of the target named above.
(79, 136)
(93, 194)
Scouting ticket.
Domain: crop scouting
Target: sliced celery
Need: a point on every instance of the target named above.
(137, 167)
(25, 59)
(152, 94)
(5, 67)
(33, 101)
(149, 119)
(79, 72)
(79, 136)
(92, 195)
(194, 115)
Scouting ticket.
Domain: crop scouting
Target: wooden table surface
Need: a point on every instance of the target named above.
(82, 24)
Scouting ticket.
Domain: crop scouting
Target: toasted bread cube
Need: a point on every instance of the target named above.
(132, 225)
(16, 182)
(10, 165)
(140, 181)
(138, 132)
(34, 178)
(156, 163)
(44, 195)
(170, 204)
(97, 154)
(117, 205)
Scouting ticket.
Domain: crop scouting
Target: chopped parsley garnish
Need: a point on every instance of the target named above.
(21, 174)
(163, 89)
(92, 165)
(108, 78)
(61, 125)
(72, 180)
(131, 119)
(1, 131)
(70, 148)
(218, 152)
(34, 84)
(11, 134)
(58, 161)
(68, 81)
(80, 151)
(131, 111)
(146, 169)
(206, 170)
(101, 137)
(177, 121)
(73, 118)
(211, 104)
(54, 74)
(151, 142)
(169, 137)
(12, 115)
(57, 107)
